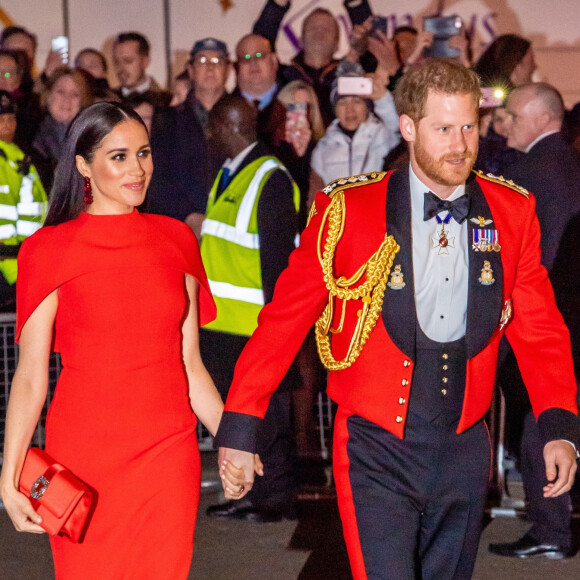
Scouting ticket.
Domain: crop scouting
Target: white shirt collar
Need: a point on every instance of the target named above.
(538, 139)
(233, 164)
(143, 87)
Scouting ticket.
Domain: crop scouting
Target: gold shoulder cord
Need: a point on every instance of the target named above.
(371, 291)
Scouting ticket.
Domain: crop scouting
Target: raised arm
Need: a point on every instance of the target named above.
(270, 19)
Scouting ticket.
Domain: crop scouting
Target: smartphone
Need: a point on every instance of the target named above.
(443, 28)
(360, 86)
(492, 97)
(379, 23)
(60, 45)
(296, 116)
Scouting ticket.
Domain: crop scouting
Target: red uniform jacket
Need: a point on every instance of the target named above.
(378, 385)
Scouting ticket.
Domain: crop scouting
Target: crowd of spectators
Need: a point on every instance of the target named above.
(344, 134)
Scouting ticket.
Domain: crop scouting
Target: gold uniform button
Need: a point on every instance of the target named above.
(402, 401)
(399, 419)
(404, 382)
(443, 392)
(445, 367)
(445, 356)
(407, 363)
(444, 379)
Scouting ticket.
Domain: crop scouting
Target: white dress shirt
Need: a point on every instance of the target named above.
(441, 276)
(233, 164)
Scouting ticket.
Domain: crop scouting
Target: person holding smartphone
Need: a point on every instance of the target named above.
(364, 130)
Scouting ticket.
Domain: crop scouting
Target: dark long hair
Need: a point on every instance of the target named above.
(501, 57)
(85, 136)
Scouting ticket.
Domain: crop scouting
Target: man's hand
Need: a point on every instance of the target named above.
(237, 471)
(560, 458)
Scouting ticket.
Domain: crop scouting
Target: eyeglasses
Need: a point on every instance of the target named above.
(209, 60)
(248, 58)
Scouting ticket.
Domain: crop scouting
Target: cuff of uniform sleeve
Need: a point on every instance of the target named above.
(237, 431)
(559, 424)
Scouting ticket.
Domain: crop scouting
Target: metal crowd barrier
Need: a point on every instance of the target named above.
(9, 360)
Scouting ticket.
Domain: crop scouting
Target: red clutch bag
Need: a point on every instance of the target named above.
(59, 497)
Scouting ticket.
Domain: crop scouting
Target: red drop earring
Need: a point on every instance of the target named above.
(88, 191)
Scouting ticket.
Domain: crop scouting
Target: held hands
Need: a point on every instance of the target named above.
(560, 458)
(238, 481)
(20, 510)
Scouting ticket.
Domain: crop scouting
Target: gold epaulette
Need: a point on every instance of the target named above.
(502, 181)
(346, 183)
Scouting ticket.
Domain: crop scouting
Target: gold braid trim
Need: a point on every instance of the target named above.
(376, 271)
(502, 181)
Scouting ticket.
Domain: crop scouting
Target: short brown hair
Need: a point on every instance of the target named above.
(438, 75)
(80, 78)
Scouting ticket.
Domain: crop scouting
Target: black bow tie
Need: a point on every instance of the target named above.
(459, 208)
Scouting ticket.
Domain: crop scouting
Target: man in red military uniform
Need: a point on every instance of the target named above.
(417, 275)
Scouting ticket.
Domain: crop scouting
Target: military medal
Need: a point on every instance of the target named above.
(486, 240)
(396, 282)
(486, 277)
(443, 242)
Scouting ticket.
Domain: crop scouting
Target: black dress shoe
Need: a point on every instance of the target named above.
(527, 547)
(240, 510)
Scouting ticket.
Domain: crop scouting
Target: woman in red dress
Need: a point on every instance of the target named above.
(120, 295)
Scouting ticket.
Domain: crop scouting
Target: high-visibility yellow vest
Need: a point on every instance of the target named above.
(230, 247)
(22, 203)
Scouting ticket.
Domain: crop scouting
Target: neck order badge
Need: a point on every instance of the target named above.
(442, 241)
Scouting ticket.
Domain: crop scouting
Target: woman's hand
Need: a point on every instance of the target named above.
(258, 465)
(460, 42)
(20, 510)
(234, 480)
(298, 138)
(54, 60)
(383, 49)
(424, 39)
(359, 36)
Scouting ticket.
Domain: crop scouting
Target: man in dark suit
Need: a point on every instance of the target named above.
(248, 233)
(409, 274)
(185, 167)
(550, 169)
(257, 70)
(131, 59)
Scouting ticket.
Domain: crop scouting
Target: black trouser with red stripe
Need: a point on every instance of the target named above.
(411, 508)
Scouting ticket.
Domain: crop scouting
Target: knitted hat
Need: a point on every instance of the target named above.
(348, 69)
